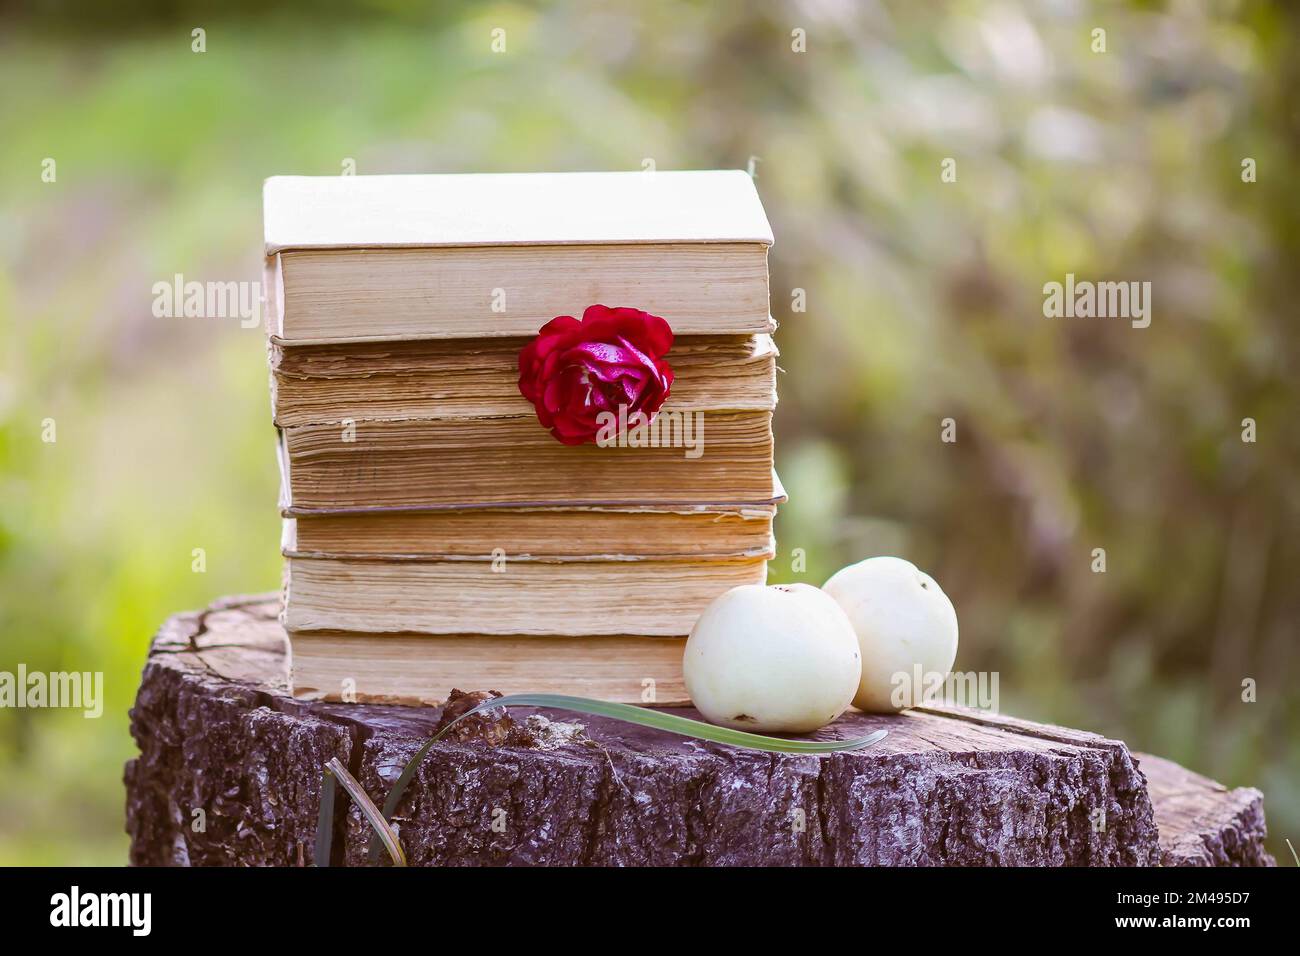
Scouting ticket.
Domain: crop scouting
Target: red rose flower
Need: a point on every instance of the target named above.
(573, 371)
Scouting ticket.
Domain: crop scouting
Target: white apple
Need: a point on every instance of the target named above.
(778, 658)
(902, 619)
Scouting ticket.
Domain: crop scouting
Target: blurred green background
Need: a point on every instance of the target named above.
(924, 301)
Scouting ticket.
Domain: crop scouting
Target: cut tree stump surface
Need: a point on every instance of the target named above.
(1202, 822)
(230, 766)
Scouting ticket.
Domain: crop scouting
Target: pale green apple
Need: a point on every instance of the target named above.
(905, 625)
(780, 658)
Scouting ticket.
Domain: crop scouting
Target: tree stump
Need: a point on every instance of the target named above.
(230, 767)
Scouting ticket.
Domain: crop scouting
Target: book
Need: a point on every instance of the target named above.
(510, 597)
(422, 669)
(384, 258)
(628, 533)
(419, 464)
(451, 378)
(436, 535)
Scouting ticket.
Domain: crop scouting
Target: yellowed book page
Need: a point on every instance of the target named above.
(702, 458)
(465, 378)
(489, 291)
(534, 534)
(451, 597)
(421, 669)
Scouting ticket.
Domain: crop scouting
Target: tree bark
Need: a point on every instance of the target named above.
(230, 766)
(1203, 823)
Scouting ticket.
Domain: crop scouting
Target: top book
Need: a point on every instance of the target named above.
(374, 258)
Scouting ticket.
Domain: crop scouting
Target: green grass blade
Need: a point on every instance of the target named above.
(325, 820)
(675, 724)
(643, 716)
(384, 831)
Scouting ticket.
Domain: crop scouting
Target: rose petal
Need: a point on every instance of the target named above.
(648, 363)
(651, 333)
(559, 325)
(601, 352)
(576, 370)
(593, 313)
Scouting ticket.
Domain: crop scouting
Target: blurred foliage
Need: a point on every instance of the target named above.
(924, 302)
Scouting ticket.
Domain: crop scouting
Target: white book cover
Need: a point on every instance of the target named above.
(494, 209)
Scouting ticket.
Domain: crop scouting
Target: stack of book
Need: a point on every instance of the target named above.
(436, 535)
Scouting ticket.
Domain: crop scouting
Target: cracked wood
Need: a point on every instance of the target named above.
(218, 733)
